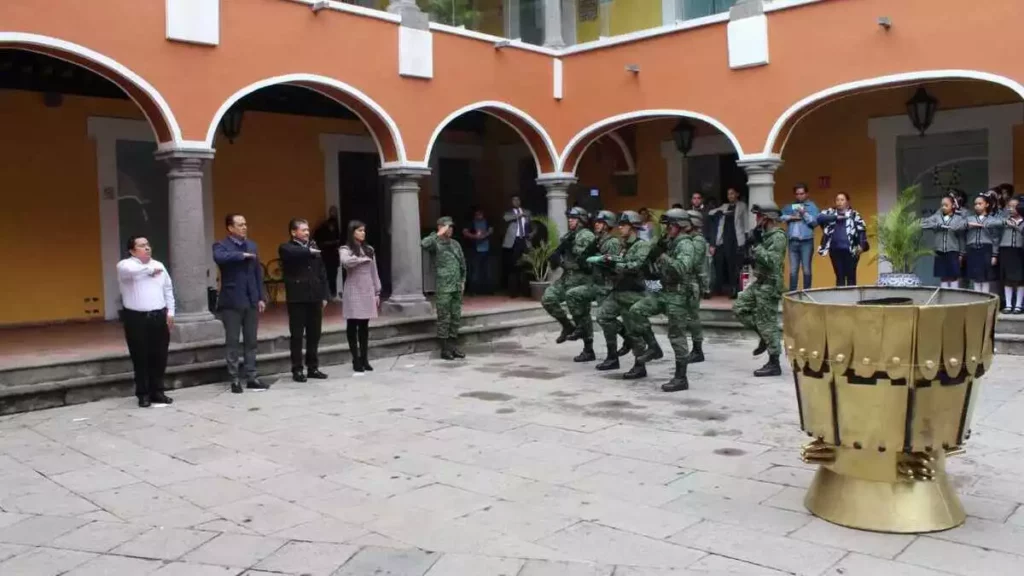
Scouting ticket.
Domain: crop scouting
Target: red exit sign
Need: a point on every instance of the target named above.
(824, 182)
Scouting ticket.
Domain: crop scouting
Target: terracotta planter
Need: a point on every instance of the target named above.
(537, 289)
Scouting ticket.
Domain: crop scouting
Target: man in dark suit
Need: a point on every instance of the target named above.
(242, 298)
(306, 289)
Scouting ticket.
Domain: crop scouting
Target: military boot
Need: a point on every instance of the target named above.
(639, 370)
(446, 350)
(456, 352)
(577, 332)
(567, 329)
(678, 383)
(762, 346)
(772, 368)
(653, 351)
(697, 354)
(588, 352)
(611, 362)
(627, 343)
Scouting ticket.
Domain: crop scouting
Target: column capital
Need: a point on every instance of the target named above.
(170, 151)
(765, 163)
(404, 171)
(556, 182)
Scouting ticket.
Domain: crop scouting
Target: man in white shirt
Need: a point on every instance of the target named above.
(148, 315)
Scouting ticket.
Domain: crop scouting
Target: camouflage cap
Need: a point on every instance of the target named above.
(445, 221)
(767, 209)
(675, 216)
(578, 213)
(606, 216)
(696, 218)
(630, 217)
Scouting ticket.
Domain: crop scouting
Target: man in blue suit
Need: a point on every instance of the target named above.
(242, 298)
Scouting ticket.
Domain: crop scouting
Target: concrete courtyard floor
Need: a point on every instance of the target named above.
(515, 462)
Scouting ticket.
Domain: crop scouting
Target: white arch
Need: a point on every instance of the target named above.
(106, 62)
(482, 106)
(639, 116)
(211, 132)
(881, 81)
(617, 139)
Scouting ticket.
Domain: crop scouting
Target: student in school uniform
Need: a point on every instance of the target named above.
(982, 239)
(1011, 258)
(948, 242)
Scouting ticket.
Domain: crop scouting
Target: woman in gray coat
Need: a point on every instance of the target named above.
(360, 292)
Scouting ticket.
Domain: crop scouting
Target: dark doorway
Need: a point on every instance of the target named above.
(362, 196)
(712, 175)
(457, 183)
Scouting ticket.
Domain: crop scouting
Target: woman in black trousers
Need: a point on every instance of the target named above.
(845, 238)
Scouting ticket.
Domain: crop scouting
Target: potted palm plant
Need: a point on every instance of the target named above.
(537, 258)
(899, 240)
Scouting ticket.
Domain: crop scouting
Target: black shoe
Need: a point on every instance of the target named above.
(627, 346)
(567, 329)
(697, 354)
(317, 374)
(144, 402)
(236, 387)
(762, 347)
(772, 368)
(653, 351)
(366, 365)
(458, 354)
(298, 376)
(446, 351)
(161, 398)
(678, 383)
(255, 384)
(577, 333)
(611, 361)
(636, 372)
(587, 355)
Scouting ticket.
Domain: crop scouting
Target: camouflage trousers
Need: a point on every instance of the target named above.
(675, 305)
(555, 294)
(693, 325)
(757, 308)
(617, 304)
(578, 300)
(449, 314)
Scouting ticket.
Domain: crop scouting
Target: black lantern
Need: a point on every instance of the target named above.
(683, 136)
(921, 109)
(231, 124)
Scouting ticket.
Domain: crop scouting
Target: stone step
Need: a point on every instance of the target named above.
(41, 387)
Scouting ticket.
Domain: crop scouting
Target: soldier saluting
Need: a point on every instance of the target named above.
(757, 307)
(627, 289)
(569, 255)
(674, 260)
(451, 281)
(578, 299)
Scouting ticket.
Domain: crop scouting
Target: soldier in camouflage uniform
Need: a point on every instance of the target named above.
(757, 307)
(451, 281)
(579, 298)
(699, 284)
(627, 289)
(570, 256)
(675, 261)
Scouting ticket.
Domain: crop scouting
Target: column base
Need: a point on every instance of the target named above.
(406, 306)
(199, 327)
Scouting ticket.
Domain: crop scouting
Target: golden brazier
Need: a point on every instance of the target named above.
(886, 381)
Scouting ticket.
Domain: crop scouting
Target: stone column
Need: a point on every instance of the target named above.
(558, 197)
(406, 255)
(553, 24)
(193, 321)
(760, 180)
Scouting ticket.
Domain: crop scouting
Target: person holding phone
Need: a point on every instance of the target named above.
(801, 217)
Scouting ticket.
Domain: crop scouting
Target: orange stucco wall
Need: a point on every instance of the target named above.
(49, 223)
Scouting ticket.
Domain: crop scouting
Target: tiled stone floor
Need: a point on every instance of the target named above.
(516, 462)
